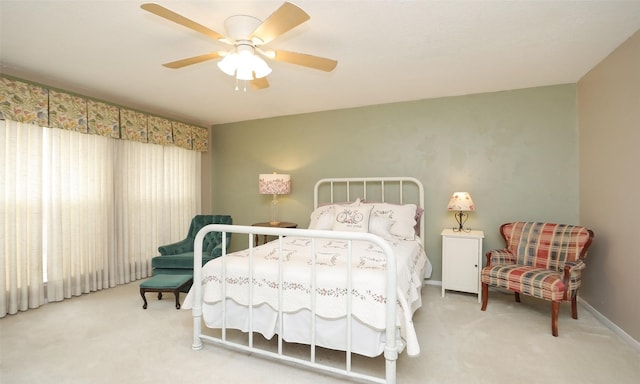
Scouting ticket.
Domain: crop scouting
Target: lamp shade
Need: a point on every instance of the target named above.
(274, 184)
(229, 63)
(260, 67)
(244, 72)
(461, 201)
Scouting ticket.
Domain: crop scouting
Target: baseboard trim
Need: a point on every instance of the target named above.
(635, 344)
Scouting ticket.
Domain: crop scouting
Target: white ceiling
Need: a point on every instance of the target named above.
(387, 51)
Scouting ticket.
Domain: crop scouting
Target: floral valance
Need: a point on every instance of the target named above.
(67, 112)
(103, 119)
(26, 103)
(35, 104)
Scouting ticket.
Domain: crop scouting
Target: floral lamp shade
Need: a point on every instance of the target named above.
(461, 202)
(274, 184)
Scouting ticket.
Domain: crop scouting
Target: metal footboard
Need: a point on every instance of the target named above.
(391, 346)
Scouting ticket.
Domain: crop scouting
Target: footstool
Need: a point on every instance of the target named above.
(164, 283)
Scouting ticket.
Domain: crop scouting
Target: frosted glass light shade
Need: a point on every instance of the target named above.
(229, 63)
(260, 67)
(244, 72)
(244, 64)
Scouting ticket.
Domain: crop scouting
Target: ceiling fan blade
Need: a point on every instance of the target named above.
(192, 60)
(161, 11)
(282, 20)
(305, 60)
(260, 83)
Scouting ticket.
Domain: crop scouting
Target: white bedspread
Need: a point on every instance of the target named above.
(368, 279)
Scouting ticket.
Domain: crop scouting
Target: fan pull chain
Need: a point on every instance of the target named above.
(245, 85)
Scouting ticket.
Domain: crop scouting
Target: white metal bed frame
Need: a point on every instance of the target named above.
(391, 345)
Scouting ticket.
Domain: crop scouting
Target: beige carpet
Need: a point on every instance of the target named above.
(106, 337)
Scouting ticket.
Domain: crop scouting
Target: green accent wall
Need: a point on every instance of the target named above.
(516, 152)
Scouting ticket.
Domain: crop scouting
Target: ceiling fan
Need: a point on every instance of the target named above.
(246, 35)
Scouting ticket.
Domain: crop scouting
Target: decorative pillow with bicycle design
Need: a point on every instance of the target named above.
(352, 218)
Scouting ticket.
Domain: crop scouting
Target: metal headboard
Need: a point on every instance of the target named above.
(397, 190)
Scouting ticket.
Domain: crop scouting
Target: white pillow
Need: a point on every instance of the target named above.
(352, 218)
(322, 218)
(380, 225)
(355, 203)
(402, 215)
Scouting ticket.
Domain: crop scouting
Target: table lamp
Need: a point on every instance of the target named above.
(461, 202)
(274, 184)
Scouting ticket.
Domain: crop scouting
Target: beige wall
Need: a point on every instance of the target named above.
(609, 126)
(516, 152)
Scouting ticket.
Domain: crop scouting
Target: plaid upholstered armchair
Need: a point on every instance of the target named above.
(542, 260)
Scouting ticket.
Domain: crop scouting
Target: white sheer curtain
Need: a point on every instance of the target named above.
(157, 195)
(79, 216)
(21, 263)
(182, 174)
(87, 210)
(139, 192)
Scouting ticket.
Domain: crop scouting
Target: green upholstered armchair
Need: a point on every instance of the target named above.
(177, 258)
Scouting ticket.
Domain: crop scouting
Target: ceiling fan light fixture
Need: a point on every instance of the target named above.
(229, 63)
(260, 67)
(246, 34)
(244, 72)
(243, 63)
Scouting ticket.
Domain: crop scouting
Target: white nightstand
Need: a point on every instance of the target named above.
(461, 261)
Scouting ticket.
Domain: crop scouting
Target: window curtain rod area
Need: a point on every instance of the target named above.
(46, 107)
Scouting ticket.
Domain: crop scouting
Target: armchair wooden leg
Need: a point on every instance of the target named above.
(485, 296)
(517, 294)
(574, 307)
(555, 307)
